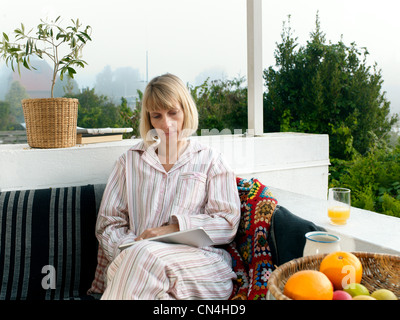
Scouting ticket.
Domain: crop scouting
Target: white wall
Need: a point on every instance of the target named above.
(291, 161)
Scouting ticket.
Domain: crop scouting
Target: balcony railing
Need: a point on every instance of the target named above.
(13, 137)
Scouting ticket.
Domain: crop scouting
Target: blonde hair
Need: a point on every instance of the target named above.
(163, 92)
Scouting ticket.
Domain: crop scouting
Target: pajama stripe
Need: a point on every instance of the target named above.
(198, 191)
(154, 270)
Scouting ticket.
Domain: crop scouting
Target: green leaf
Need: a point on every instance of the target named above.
(14, 50)
(86, 35)
(80, 63)
(81, 38)
(27, 48)
(26, 64)
(71, 72)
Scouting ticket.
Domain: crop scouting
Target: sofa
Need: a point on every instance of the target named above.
(48, 249)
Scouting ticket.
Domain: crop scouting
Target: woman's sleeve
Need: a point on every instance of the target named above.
(222, 209)
(112, 227)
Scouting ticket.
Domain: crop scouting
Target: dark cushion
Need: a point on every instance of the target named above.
(47, 242)
(287, 235)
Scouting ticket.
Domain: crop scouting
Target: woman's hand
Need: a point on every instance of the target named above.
(159, 231)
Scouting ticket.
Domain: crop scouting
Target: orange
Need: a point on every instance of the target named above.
(342, 268)
(308, 285)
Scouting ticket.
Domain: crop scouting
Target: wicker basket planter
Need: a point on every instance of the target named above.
(380, 271)
(51, 123)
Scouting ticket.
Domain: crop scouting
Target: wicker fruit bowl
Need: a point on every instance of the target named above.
(380, 271)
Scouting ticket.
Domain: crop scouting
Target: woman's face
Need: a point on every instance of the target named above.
(168, 123)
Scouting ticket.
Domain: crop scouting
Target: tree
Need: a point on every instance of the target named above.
(4, 115)
(122, 82)
(131, 118)
(222, 104)
(329, 89)
(15, 94)
(95, 111)
(374, 179)
(104, 82)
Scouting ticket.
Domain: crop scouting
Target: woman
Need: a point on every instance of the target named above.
(164, 184)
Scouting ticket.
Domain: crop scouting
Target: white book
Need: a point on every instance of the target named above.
(196, 237)
(102, 130)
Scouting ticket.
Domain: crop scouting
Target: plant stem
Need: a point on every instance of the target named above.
(55, 70)
(56, 64)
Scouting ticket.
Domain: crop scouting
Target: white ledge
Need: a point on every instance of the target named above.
(365, 230)
(286, 160)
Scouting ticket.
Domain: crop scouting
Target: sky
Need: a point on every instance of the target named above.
(194, 38)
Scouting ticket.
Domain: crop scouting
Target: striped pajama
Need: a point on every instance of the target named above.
(155, 270)
(199, 191)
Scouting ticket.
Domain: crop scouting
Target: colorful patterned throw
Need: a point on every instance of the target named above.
(251, 256)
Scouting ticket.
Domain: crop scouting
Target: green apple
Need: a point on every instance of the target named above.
(356, 289)
(383, 294)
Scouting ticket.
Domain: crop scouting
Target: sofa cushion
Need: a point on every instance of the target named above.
(287, 235)
(47, 242)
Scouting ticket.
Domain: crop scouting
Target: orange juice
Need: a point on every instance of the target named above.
(339, 214)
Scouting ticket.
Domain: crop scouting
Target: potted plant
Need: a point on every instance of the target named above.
(50, 122)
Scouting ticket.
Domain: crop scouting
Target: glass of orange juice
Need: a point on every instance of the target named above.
(338, 205)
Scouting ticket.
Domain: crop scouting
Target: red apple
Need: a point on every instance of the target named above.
(341, 295)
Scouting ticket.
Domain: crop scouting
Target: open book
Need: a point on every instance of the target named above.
(196, 237)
